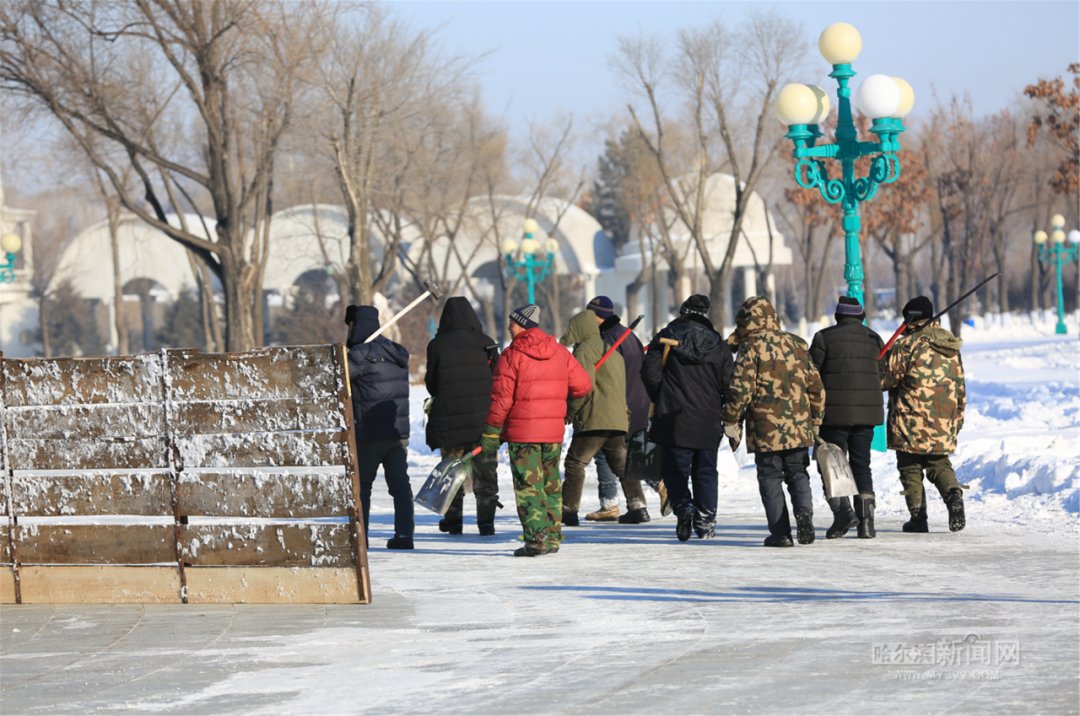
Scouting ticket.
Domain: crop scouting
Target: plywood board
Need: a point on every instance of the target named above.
(96, 544)
(316, 544)
(77, 381)
(103, 420)
(264, 494)
(79, 454)
(298, 372)
(7, 586)
(314, 449)
(253, 416)
(93, 493)
(271, 585)
(100, 585)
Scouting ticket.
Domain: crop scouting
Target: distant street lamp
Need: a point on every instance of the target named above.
(532, 267)
(1059, 252)
(10, 245)
(885, 100)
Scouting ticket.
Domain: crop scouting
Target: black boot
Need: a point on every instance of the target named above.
(864, 510)
(450, 526)
(804, 526)
(955, 503)
(635, 517)
(485, 515)
(917, 523)
(779, 541)
(704, 528)
(570, 519)
(399, 542)
(685, 523)
(843, 518)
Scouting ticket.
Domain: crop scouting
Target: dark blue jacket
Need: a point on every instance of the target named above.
(633, 354)
(379, 373)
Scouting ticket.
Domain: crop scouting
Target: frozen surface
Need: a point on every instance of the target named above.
(626, 619)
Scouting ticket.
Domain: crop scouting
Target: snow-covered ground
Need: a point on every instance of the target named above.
(627, 619)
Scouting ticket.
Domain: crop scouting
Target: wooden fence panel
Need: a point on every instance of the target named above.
(256, 493)
(93, 493)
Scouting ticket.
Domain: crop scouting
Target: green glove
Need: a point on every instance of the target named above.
(489, 439)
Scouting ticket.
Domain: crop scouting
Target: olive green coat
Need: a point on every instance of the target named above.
(605, 407)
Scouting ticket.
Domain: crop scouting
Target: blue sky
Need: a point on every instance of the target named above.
(544, 58)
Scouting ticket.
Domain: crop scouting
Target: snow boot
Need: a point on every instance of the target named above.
(685, 523)
(779, 541)
(487, 529)
(864, 510)
(604, 514)
(635, 516)
(570, 519)
(529, 551)
(450, 525)
(955, 503)
(704, 529)
(485, 516)
(917, 523)
(844, 518)
(804, 526)
(399, 542)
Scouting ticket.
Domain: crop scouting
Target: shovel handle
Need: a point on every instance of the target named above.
(475, 451)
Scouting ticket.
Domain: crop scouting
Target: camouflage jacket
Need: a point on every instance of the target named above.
(775, 385)
(925, 379)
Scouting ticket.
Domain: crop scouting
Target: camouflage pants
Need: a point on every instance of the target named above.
(485, 486)
(538, 492)
(939, 471)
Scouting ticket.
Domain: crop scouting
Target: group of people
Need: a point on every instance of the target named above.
(689, 389)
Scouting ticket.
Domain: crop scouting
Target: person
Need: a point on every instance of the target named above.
(533, 380)
(688, 387)
(637, 402)
(600, 419)
(780, 393)
(846, 356)
(379, 374)
(460, 360)
(924, 375)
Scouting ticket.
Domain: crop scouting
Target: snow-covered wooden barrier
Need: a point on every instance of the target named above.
(181, 477)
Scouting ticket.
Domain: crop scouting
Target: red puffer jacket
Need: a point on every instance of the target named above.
(532, 381)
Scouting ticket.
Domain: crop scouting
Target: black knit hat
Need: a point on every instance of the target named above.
(696, 304)
(602, 306)
(919, 308)
(848, 306)
(350, 314)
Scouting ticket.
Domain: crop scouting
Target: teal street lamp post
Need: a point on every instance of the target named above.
(885, 100)
(531, 261)
(10, 245)
(1057, 251)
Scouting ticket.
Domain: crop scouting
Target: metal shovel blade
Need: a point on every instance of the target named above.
(444, 482)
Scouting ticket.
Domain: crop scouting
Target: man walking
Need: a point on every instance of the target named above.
(533, 380)
(637, 403)
(780, 392)
(925, 379)
(459, 363)
(688, 388)
(846, 356)
(600, 418)
(379, 374)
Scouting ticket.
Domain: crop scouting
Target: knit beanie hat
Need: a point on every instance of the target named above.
(527, 316)
(848, 306)
(919, 308)
(696, 304)
(602, 307)
(350, 314)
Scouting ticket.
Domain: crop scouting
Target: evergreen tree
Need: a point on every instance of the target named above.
(183, 323)
(72, 323)
(607, 201)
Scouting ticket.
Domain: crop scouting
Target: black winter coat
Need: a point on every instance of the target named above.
(379, 373)
(459, 364)
(846, 356)
(689, 392)
(633, 354)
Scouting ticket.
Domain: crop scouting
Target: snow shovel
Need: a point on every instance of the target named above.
(433, 291)
(444, 482)
(835, 470)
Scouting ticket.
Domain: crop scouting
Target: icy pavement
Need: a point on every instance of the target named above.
(626, 619)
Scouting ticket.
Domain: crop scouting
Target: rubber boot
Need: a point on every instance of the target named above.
(843, 517)
(917, 523)
(864, 510)
(955, 503)
(451, 522)
(485, 515)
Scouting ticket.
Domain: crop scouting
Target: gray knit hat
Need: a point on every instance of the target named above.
(527, 316)
(848, 306)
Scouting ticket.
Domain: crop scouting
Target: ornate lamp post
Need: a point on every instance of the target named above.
(536, 261)
(10, 245)
(1059, 252)
(885, 100)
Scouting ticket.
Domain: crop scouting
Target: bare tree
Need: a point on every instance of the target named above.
(726, 80)
(121, 78)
